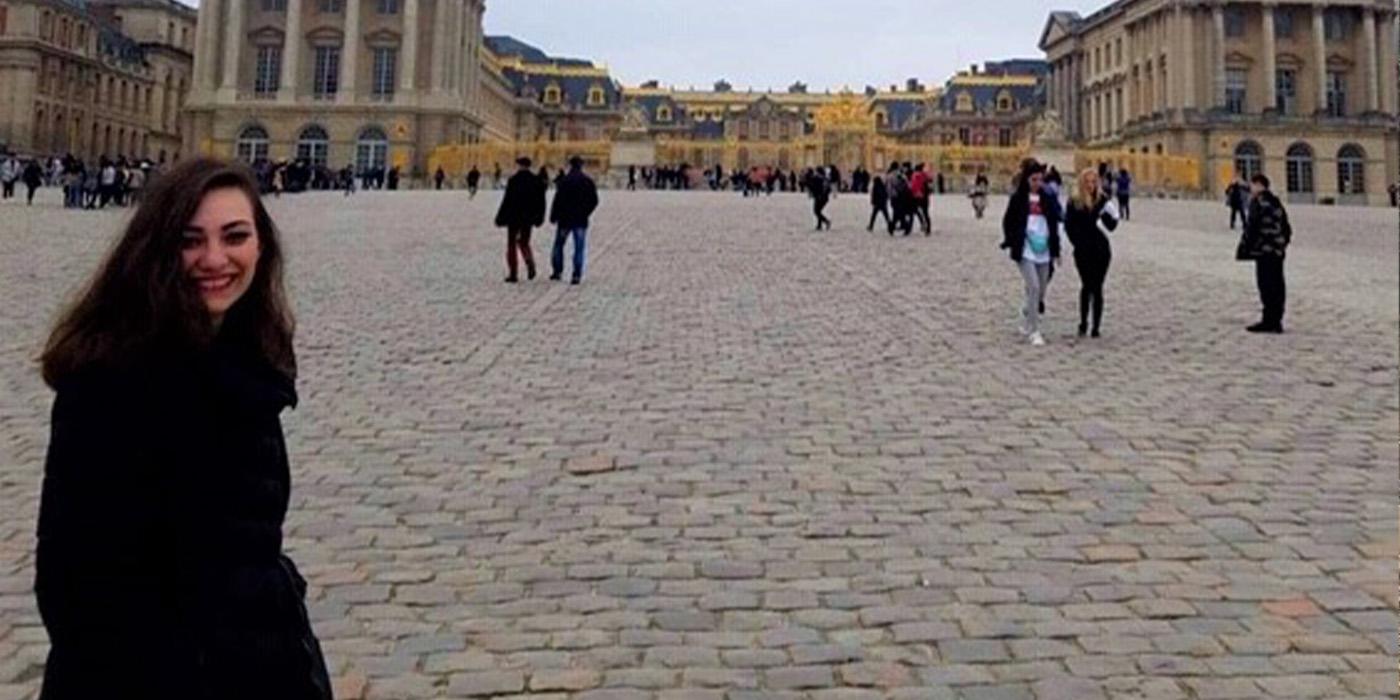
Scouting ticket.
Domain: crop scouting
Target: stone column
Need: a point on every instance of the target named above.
(291, 54)
(1218, 57)
(1174, 60)
(206, 39)
(440, 50)
(233, 42)
(409, 49)
(1270, 58)
(1319, 58)
(350, 53)
(1389, 45)
(1369, 70)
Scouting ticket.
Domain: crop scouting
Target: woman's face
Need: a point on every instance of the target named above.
(1035, 181)
(220, 249)
(1090, 182)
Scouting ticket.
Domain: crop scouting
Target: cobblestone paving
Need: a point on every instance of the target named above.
(745, 460)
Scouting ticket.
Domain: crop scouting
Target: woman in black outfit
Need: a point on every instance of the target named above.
(160, 572)
(1091, 214)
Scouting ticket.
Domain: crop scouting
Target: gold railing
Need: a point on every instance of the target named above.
(456, 159)
(1163, 173)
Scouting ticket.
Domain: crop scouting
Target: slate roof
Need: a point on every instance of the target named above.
(530, 72)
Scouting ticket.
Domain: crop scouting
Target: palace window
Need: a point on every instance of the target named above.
(1351, 170)
(1299, 164)
(326, 79)
(964, 136)
(371, 150)
(553, 95)
(273, 5)
(1236, 87)
(663, 113)
(1234, 22)
(385, 61)
(1004, 102)
(1118, 52)
(251, 145)
(4, 18)
(387, 7)
(328, 6)
(882, 120)
(1004, 138)
(1286, 90)
(1336, 23)
(596, 97)
(268, 76)
(1283, 22)
(1249, 159)
(964, 102)
(1336, 94)
(313, 146)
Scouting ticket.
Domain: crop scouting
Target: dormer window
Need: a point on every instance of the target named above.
(663, 113)
(596, 97)
(882, 120)
(1005, 103)
(553, 95)
(964, 102)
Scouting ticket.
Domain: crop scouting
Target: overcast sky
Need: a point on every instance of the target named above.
(771, 43)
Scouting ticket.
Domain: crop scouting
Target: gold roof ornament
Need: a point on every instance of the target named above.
(845, 113)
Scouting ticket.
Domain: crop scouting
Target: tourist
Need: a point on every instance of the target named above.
(631, 178)
(879, 204)
(136, 182)
(1030, 235)
(575, 199)
(980, 186)
(33, 177)
(522, 209)
(1267, 234)
(92, 186)
(1394, 191)
(902, 198)
(819, 189)
(919, 190)
(544, 178)
(1237, 198)
(473, 181)
(496, 178)
(10, 170)
(438, 177)
(1124, 191)
(107, 183)
(1089, 218)
(159, 569)
(73, 185)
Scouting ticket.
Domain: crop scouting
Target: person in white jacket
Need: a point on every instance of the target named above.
(9, 174)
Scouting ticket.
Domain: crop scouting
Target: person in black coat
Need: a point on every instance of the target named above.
(159, 567)
(522, 209)
(1091, 213)
(575, 199)
(1030, 235)
(1267, 234)
(819, 189)
(879, 204)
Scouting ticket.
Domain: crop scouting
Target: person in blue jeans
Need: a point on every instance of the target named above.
(575, 199)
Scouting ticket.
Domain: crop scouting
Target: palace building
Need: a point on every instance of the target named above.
(102, 77)
(1304, 92)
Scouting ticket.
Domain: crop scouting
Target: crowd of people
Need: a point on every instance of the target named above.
(96, 185)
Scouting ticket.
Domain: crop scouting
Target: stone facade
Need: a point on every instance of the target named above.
(1304, 92)
(374, 83)
(94, 79)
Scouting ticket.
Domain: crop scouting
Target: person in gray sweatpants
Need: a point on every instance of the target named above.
(1031, 236)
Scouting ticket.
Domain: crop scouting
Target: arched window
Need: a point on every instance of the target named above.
(663, 113)
(313, 146)
(597, 97)
(1249, 159)
(371, 149)
(251, 145)
(552, 95)
(1299, 169)
(882, 119)
(1004, 102)
(1351, 170)
(964, 102)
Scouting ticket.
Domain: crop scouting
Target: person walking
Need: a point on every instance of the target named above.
(1267, 234)
(919, 190)
(575, 199)
(473, 182)
(159, 570)
(1124, 192)
(10, 170)
(33, 177)
(438, 176)
(1030, 235)
(631, 178)
(819, 189)
(522, 209)
(902, 197)
(1090, 217)
(980, 186)
(879, 204)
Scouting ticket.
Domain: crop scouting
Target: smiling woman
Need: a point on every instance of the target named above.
(160, 571)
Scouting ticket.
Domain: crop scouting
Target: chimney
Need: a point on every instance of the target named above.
(973, 68)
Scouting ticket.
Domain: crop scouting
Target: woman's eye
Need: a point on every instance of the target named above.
(191, 242)
(236, 237)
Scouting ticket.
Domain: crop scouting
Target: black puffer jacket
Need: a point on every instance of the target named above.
(522, 206)
(160, 572)
(1013, 223)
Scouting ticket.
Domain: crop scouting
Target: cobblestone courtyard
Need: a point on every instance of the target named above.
(747, 460)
